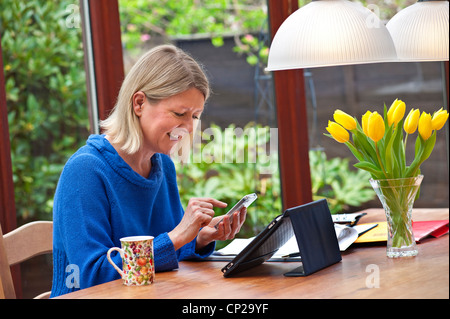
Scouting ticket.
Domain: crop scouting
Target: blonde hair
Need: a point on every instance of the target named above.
(160, 73)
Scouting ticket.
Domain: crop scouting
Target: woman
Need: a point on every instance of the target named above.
(123, 183)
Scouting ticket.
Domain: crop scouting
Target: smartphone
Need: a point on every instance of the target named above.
(246, 201)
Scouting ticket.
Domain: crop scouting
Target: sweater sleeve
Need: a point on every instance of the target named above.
(166, 258)
(165, 255)
(188, 251)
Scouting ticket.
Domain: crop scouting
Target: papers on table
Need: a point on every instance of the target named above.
(345, 235)
(238, 244)
(349, 218)
(235, 247)
(421, 230)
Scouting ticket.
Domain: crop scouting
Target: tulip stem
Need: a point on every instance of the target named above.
(406, 138)
(379, 160)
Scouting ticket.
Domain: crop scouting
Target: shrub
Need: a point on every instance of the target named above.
(46, 97)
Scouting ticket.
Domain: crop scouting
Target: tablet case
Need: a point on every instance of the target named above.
(313, 228)
(316, 238)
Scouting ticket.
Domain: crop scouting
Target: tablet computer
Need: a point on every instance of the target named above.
(263, 246)
(313, 228)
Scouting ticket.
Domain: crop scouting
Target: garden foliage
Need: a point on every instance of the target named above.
(46, 97)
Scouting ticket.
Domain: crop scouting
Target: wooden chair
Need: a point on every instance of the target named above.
(23, 243)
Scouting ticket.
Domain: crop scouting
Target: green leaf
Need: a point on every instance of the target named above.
(423, 151)
(252, 60)
(417, 145)
(217, 41)
(394, 152)
(419, 148)
(365, 146)
(355, 151)
(401, 158)
(371, 168)
(429, 145)
(389, 157)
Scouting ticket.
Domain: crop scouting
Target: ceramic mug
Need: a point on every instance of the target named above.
(137, 260)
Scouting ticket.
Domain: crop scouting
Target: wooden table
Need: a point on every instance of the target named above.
(364, 272)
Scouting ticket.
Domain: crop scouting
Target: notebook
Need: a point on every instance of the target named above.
(313, 228)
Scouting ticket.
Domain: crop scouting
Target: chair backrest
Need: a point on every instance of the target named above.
(23, 243)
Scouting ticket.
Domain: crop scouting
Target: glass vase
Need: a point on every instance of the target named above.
(397, 197)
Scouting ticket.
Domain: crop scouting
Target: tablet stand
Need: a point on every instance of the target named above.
(316, 237)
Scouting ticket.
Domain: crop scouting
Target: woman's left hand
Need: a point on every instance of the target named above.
(227, 228)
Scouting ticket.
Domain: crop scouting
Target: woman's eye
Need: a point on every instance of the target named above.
(194, 116)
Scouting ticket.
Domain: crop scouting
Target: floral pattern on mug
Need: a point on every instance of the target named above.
(138, 266)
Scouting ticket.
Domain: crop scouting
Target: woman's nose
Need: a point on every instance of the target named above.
(188, 124)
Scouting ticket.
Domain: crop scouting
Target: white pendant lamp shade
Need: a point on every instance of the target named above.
(420, 31)
(330, 32)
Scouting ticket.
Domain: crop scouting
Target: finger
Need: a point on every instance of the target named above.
(236, 225)
(206, 211)
(200, 206)
(238, 221)
(214, 202)
(226, 222)
(240, 216)
(205, 204)
(200, 202)
(220, 232)
(204, 218)
(243, 215)
(224, 231)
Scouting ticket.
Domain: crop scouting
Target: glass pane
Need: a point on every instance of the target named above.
(46, 96)
(230, 39)
(359, 88)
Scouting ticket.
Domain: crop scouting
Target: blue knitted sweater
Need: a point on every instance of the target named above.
(100, 199)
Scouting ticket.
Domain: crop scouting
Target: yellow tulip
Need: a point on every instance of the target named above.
(347, 121)
(425, 128)
(411, 122)
(365, 122)
(339, 133)
(375, 127)
(396, 112)
(438, 120)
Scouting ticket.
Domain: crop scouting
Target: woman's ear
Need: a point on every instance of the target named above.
(138, 102)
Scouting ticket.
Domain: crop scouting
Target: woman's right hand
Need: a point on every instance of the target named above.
(198, 214)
